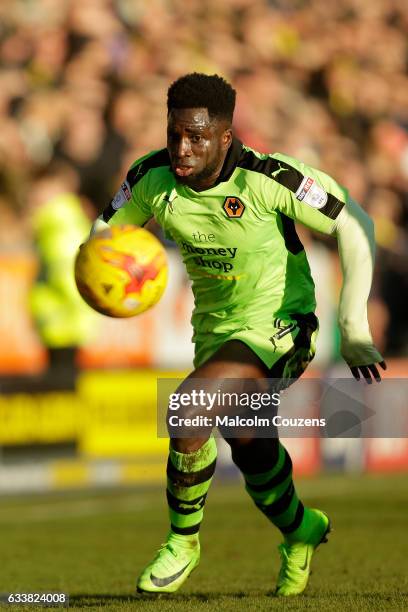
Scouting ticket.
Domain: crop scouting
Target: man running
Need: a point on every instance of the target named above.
(231, 211)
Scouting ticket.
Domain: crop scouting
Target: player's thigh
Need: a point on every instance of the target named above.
(232, 370)
(235, 360)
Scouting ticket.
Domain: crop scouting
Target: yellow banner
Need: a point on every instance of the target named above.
(110, 414)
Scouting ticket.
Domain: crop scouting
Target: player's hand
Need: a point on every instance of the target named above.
(363, 360)
(98, 226)
(368, 372)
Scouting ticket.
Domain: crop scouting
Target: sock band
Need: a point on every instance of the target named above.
(189, 479)
(280, 505)
(185, 506)
(185, 530)
(296, 522)
(277, 479)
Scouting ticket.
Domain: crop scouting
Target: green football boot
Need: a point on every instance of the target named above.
(296, 556)
(174, 562)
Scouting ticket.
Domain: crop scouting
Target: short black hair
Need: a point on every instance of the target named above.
(197, 90)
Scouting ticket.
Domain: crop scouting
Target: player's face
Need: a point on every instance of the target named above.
(197, 145)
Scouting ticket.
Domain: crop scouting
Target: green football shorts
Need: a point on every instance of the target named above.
(286, 347)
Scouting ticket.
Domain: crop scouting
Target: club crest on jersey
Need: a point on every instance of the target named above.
(233, 207)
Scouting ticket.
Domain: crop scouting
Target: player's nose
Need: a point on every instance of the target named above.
(183, 148)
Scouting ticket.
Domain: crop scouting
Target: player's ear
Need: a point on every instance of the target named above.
(226, 138)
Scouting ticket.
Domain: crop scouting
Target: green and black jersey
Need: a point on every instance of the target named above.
(238, 239)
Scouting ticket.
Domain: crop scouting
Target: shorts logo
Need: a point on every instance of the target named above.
(311, 193)
(233, 207)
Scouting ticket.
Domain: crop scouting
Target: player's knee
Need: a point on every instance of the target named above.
(254, 455)
(188, 445)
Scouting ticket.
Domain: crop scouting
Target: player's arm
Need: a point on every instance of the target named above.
(129, 205)
(354, 230)
(317, 201)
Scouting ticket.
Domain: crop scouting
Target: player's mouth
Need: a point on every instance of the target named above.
(183, 170)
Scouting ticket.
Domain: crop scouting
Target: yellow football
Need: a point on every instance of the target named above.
(121, 271)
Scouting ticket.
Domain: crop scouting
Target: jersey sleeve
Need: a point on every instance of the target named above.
(303, 193)
(356, 243)
(130, 205)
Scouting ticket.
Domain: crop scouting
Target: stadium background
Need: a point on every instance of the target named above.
(83, 89)
(82, 94)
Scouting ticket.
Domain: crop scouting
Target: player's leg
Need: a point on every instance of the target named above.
(189, 477)
(190, 468)
(267, 469)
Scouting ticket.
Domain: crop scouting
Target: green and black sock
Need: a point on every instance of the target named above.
(189, 477)
(272, 489)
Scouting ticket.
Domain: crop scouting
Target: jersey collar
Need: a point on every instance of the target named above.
(230, 162)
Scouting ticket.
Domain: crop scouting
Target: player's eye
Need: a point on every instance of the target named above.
(196, 138)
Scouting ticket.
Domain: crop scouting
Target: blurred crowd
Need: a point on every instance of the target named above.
(83, 91)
